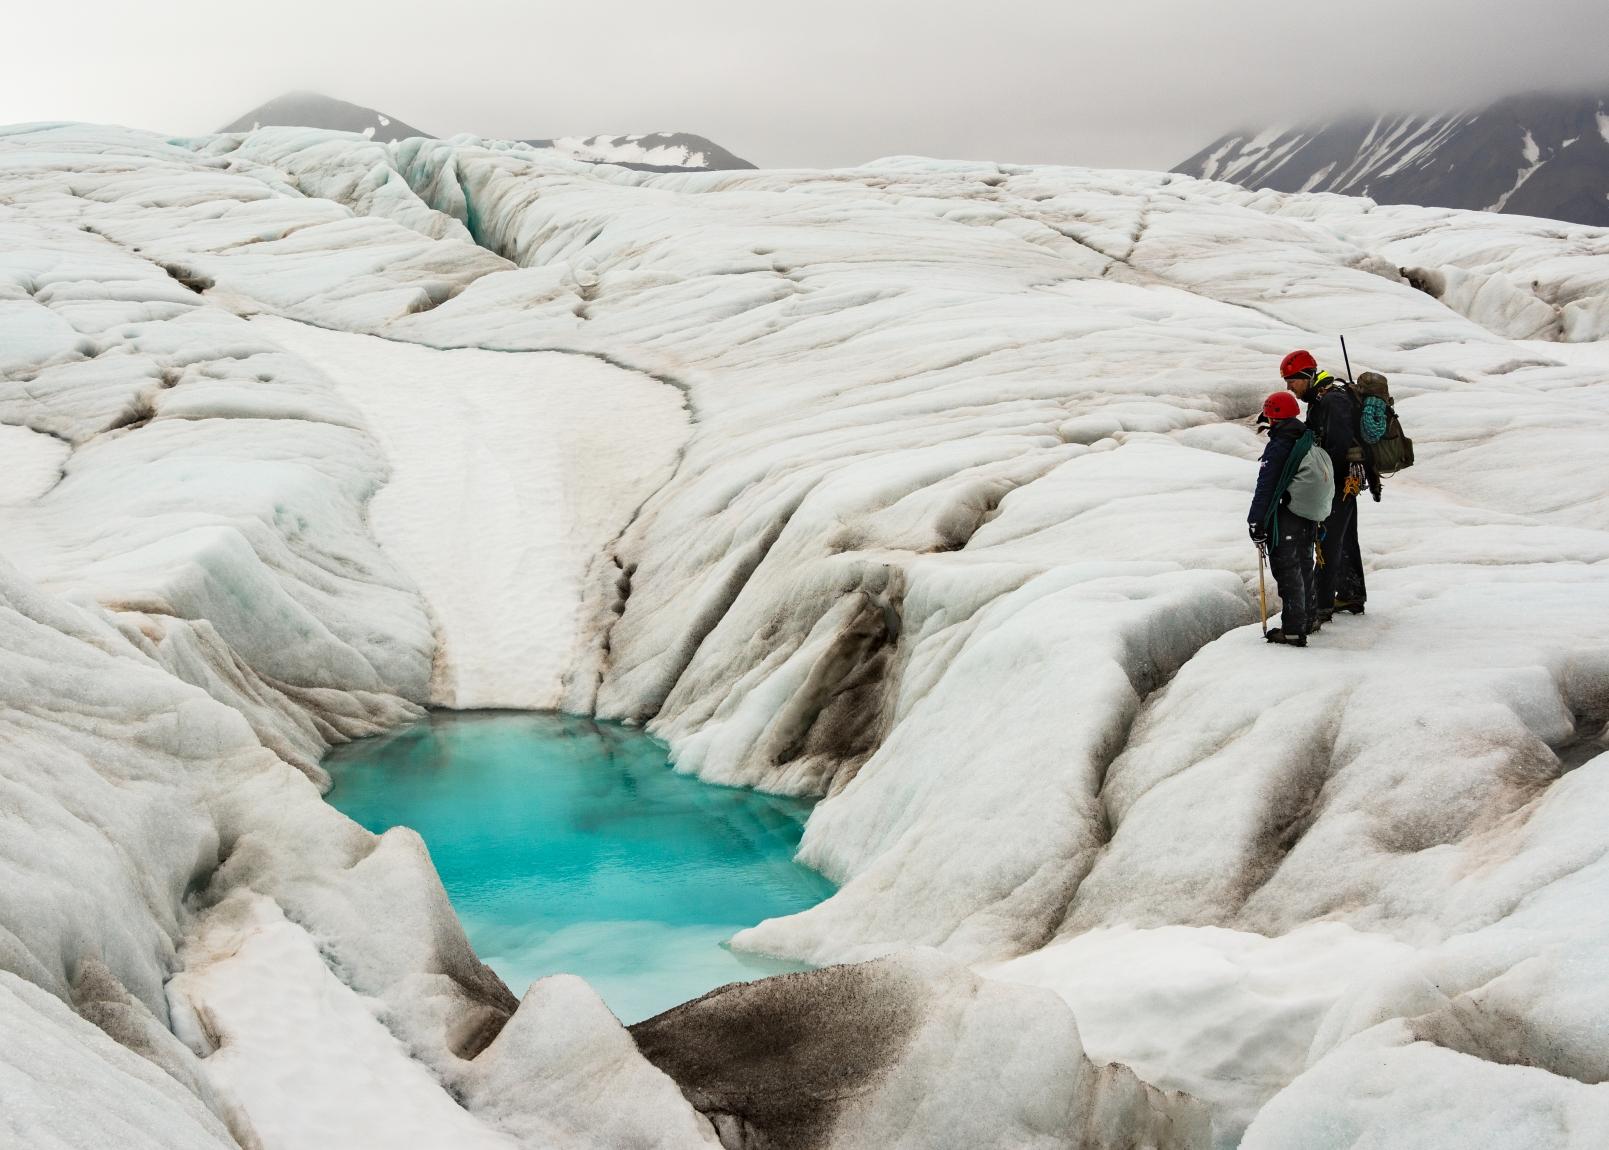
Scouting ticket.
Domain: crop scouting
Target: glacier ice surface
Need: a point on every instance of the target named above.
(940, 468)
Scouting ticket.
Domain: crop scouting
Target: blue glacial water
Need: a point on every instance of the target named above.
(568, 844)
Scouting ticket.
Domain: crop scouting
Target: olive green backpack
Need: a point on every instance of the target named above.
(1379, 430)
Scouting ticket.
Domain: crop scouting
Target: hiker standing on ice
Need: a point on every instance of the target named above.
(1332, 417)
(1295, 489)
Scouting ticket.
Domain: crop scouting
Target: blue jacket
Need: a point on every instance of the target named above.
(1271, 494)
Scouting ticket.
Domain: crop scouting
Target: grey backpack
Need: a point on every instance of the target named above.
(1312, 488)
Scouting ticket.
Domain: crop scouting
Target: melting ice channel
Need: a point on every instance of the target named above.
(568, 844)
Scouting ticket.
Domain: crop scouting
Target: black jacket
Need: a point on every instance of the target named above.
(1282, 438)
(1333, 419)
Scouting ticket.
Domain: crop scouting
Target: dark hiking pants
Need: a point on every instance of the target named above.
(1291, 557)
(1340, 572)
(1349, 585)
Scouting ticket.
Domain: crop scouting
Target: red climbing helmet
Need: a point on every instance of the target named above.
(1297, 363)
(1281, 405)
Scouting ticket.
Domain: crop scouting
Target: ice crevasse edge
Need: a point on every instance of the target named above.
(993, 470)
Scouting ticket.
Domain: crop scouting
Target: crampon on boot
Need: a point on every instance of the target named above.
(1279, 636)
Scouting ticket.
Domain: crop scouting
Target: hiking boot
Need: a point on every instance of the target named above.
(1314, 624)
(1278, 636)
(1320, 617)
(1353, 608)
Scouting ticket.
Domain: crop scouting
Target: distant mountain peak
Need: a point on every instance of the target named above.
(1537, 154)
(653, 152)
(314, 110)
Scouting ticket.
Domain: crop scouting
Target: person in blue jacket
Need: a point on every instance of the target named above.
(1274, 527)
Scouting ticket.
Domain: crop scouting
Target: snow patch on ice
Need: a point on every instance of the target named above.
(511, 473)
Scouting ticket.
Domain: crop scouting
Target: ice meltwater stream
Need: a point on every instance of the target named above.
(571, 845)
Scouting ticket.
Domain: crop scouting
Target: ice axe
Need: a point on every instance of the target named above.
(1262, 588)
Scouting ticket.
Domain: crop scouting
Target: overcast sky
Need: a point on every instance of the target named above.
(1142, 83)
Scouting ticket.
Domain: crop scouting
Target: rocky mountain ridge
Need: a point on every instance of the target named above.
(1534, 155)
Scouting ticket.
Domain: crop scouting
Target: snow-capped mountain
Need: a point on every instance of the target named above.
(1533, 155)
(313, 110)
(653, 152)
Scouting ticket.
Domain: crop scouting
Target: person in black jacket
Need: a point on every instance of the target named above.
(1273, 526)
(1332, 417)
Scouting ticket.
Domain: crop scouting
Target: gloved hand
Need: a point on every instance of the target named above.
(1258, 533)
